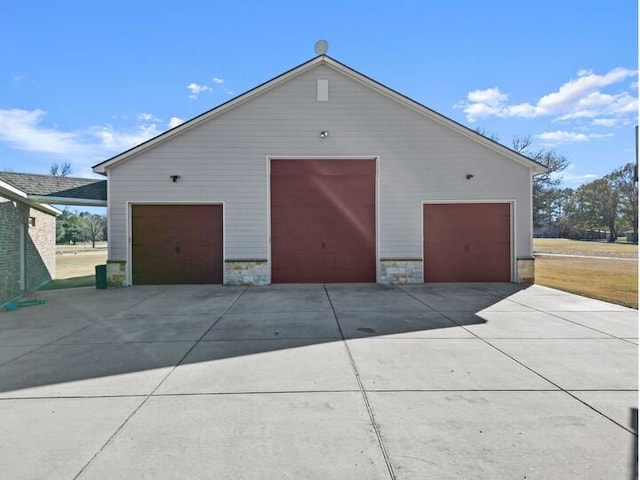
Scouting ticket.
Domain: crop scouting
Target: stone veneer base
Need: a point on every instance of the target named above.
(401, 271)
(526, 270)
(246, 272)
(116, 273)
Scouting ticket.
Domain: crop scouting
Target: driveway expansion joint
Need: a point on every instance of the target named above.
(147, 397)
(363, 392)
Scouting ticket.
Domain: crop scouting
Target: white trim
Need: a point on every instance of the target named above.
(109, 230)
(129, 222)
(13, 193)
(376, 158)
(530, 250)
(68, 201)
(512, 227)
(10, 189)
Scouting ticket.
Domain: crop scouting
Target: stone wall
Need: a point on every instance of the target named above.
(246, 272)
(116, 273)
(401, 271)
(526, 270)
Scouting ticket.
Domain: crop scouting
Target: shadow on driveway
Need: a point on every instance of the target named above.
(136, 335)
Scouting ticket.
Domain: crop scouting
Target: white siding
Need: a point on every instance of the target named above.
(224, 160)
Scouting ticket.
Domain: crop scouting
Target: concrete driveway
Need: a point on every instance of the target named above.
(312, 381)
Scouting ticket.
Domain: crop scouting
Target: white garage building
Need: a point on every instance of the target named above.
(319, 175)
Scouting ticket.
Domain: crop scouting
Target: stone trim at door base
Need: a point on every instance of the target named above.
(401, 271)
(526, 270)
(247, 272)
(116, 273)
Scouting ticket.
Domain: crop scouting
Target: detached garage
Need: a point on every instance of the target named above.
(319, 175)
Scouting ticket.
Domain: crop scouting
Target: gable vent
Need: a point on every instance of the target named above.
(323, 90)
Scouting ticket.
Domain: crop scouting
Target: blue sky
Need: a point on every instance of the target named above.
(82, 81)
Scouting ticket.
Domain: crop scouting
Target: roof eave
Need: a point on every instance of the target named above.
(68, 200)
(15, 194)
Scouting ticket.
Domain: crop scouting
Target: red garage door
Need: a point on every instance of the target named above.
(323, 221)
(174, 244)
(467, 242)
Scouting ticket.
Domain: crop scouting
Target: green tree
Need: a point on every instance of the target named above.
(595, 206)
(94, 226)
(624, 181)
(70, 228)
(547, 194)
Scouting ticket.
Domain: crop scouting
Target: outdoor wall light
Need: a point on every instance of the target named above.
(469, 176)
(324, 134)
(174, 178)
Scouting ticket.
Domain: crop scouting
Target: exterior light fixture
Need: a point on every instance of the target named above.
(324, 134)
(174, 178)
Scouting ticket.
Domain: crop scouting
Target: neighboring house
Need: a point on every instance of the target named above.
(28, 225)
(319, 175)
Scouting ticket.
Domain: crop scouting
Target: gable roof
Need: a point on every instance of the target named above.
(58, 190)
(535, 167)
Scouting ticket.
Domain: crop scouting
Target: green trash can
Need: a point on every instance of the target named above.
(101, 276)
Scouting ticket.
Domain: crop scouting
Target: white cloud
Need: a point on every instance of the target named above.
(581, 97)
(147, 117)
(218, 80)
(605, 122)
(22, 129)
(175, 121)
(571, 178)
(26, 130)
(560, 137)
(196, 90)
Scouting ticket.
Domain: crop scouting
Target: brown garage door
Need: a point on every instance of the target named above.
(174, 244)
(467, 242)
(323, 221)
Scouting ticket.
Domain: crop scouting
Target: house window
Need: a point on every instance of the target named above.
(32, 221)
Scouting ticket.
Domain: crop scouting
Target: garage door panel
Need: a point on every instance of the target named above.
(467, 242)
(323, 220)
(177, 244)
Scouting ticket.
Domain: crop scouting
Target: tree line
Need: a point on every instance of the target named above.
(606, 206)
(83, 227)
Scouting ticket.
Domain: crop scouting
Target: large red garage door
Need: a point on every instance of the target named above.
(467, 242)
(174, 244)
(323, 221)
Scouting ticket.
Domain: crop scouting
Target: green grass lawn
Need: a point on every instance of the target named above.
(75, 266)
(612, 280)
(577, 247)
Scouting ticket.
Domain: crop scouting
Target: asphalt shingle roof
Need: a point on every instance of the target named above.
(55, 186)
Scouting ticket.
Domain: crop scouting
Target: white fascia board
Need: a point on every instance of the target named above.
(68, 201)
(11, 191)
(15, 194)
(47, 208)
